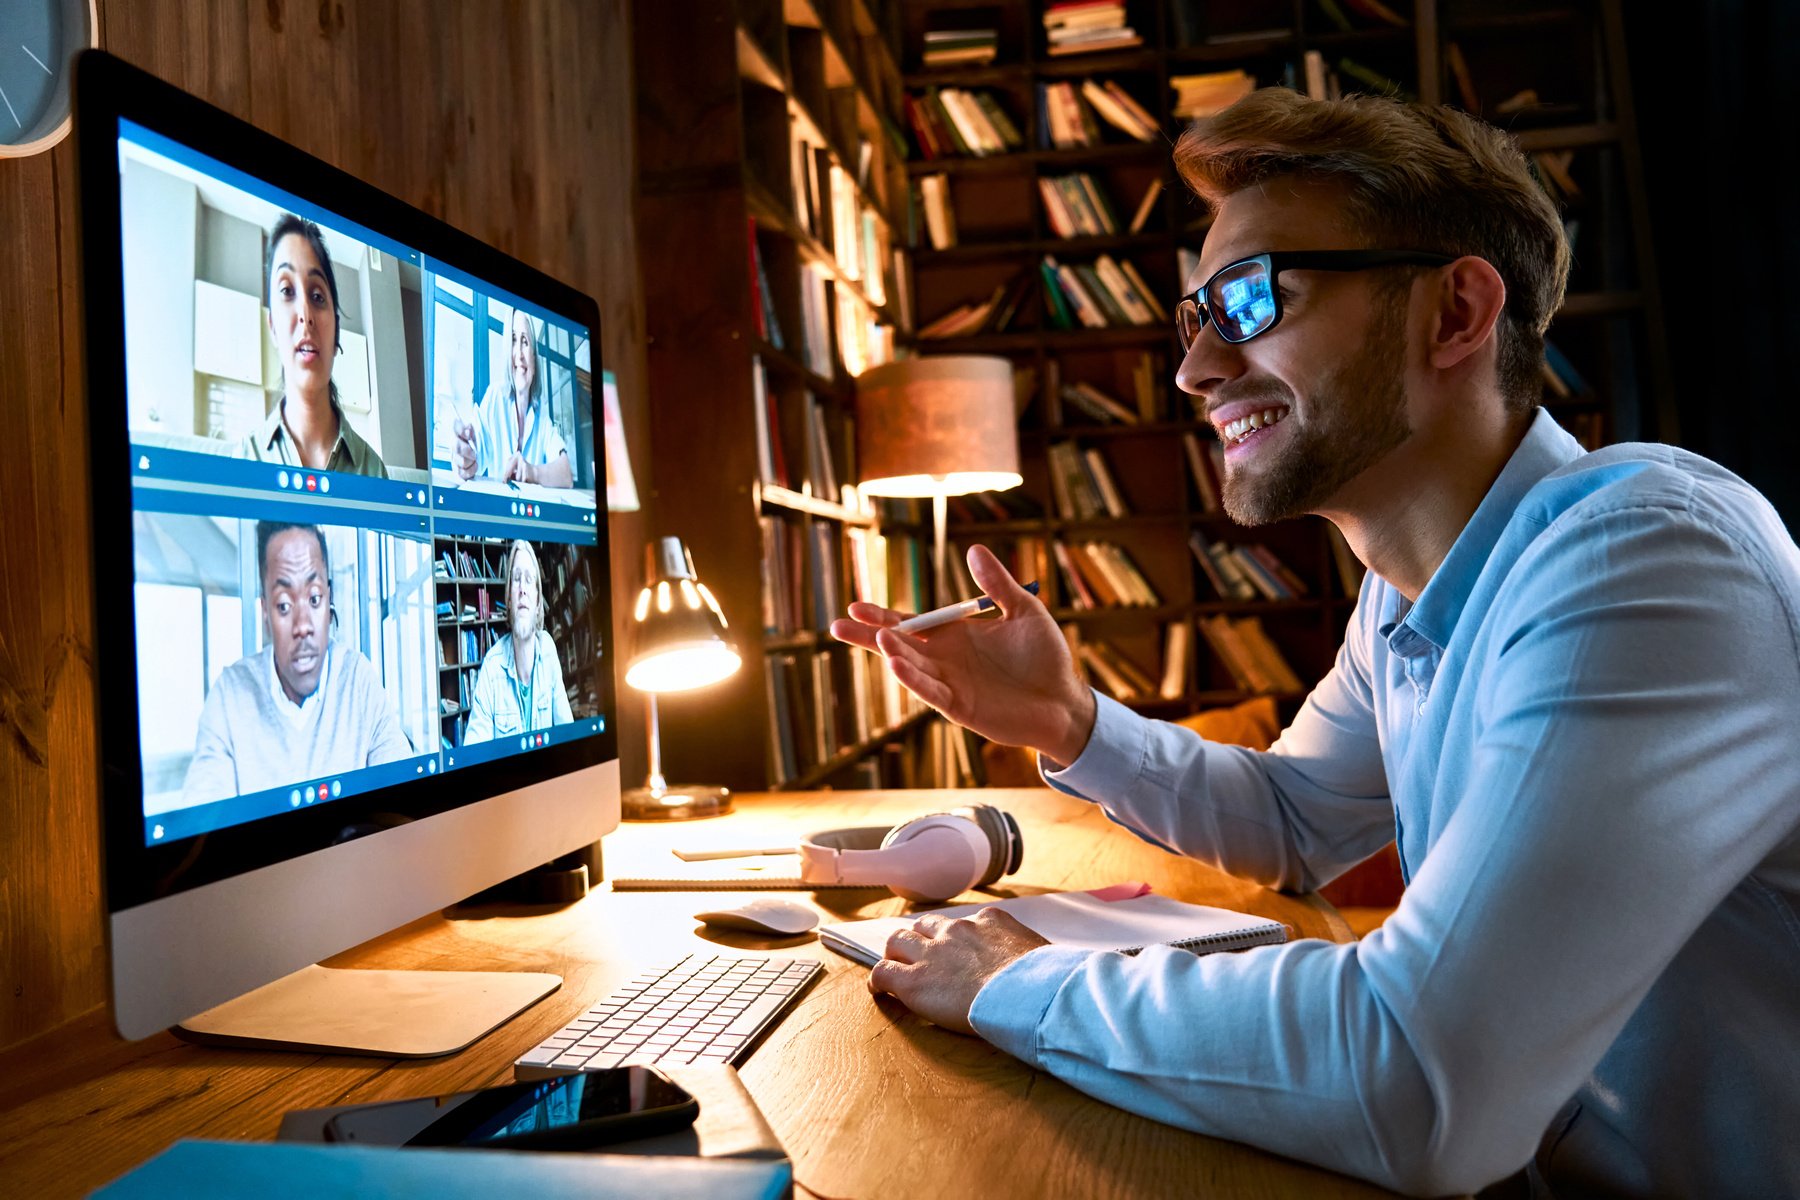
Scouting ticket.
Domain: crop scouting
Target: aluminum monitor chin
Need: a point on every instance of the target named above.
(353, 606)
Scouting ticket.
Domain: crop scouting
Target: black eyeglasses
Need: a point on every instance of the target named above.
(1243, 299)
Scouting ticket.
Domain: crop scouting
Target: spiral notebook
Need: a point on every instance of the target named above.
(1127, 918)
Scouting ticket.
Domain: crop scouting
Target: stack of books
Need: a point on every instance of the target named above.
(1101, 575)
(1246, 572)
(1085, 26)
(959, 47)
(957, 122)
(1082, 484)
(1099, 295)
(1205, 95)
(1245, 649)
(992, 315)
(1067, 114)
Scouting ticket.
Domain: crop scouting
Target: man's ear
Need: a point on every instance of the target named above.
(1466, 301)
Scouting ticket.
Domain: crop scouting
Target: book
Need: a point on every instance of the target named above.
(1116, 114)
(1146, 206)
(1178, 649)
(1126, 918)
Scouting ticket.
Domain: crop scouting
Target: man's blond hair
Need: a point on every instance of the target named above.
(1417, 177)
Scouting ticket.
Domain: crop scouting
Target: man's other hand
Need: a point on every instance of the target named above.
(937, 967)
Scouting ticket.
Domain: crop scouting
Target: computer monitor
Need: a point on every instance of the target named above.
(352, 597)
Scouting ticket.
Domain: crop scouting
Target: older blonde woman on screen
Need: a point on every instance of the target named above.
(520, 685)
(512, 437)
(307, 427)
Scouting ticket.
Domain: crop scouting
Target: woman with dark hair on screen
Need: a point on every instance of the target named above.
(307, 427)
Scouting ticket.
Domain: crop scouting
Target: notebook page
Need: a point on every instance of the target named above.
(1080, 919)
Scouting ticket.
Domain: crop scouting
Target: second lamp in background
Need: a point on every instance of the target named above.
(937, 426)
(679, 642)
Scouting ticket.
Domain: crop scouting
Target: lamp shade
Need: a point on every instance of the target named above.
(679, 636)
(941, 425)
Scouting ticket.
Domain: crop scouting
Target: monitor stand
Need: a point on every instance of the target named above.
(393, 1014)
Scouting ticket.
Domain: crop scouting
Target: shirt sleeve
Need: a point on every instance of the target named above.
(1633, 766)
(551, 442)
(560, 712)
(387, 741)
(481, 708)
(1295, 816)
(212, 773)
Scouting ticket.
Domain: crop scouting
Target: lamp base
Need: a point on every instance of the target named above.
(683, 803)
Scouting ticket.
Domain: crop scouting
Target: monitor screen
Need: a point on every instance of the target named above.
(366, 549)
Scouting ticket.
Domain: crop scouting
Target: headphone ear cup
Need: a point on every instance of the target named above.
(1002, 832)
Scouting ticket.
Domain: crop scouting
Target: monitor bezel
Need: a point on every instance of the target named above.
(108, 90)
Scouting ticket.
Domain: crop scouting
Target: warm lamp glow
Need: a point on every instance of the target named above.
(941, 425)
(960, 483)
(683, 668)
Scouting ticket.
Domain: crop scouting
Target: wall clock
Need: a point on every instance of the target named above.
(39, 40)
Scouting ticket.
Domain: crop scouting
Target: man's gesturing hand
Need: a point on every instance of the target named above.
(936, 967)
(1011, 680)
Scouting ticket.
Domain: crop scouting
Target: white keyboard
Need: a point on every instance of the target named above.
(705, 1008)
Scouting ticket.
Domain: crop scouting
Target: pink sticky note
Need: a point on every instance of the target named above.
(1121, 891)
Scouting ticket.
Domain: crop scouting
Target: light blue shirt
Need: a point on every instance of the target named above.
(504, 705)
(499, 437)
(1586, 736)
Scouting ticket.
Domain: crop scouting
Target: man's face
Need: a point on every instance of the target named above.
(1325, 384)
(522, 595)
(297, 605)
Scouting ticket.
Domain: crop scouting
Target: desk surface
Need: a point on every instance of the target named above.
(869, 1100)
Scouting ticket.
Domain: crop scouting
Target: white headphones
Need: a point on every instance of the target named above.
(933, 857)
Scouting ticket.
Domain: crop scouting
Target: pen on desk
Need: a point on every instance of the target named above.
(954, 612)
(704, 855)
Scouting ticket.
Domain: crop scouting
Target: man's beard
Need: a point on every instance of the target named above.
(1356, 416)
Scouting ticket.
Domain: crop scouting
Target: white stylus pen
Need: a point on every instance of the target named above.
(953, 612)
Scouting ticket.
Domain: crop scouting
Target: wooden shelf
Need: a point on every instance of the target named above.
(772, 215)
(1117, 336)
(852, 754)
(1567, 137)
(771, 496)
(1021, 159)
(1033, 247)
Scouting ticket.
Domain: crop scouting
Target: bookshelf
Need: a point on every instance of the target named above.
(772, 193)
(1011, 205)
(469, 578)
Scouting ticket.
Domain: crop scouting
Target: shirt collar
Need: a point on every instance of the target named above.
(306, 709)
(1546, 447)
(345, 449)
(506, 658)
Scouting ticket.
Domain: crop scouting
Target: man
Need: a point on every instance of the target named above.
(520, 685)
(304, 706)
(1570, 688)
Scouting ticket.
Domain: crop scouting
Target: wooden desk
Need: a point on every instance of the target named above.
(869, 1100)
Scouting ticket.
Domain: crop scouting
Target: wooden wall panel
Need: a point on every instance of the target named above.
(512, 122)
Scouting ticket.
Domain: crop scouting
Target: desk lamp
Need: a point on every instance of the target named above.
(938, 426)
(679, 644)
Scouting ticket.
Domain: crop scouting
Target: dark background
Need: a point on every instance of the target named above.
(1717, 89)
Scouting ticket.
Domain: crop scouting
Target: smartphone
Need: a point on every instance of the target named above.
(569, 1112)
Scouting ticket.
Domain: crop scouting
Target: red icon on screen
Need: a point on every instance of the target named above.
(324, 791)
(312, 483)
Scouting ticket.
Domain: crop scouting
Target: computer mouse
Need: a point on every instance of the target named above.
(763, 915)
